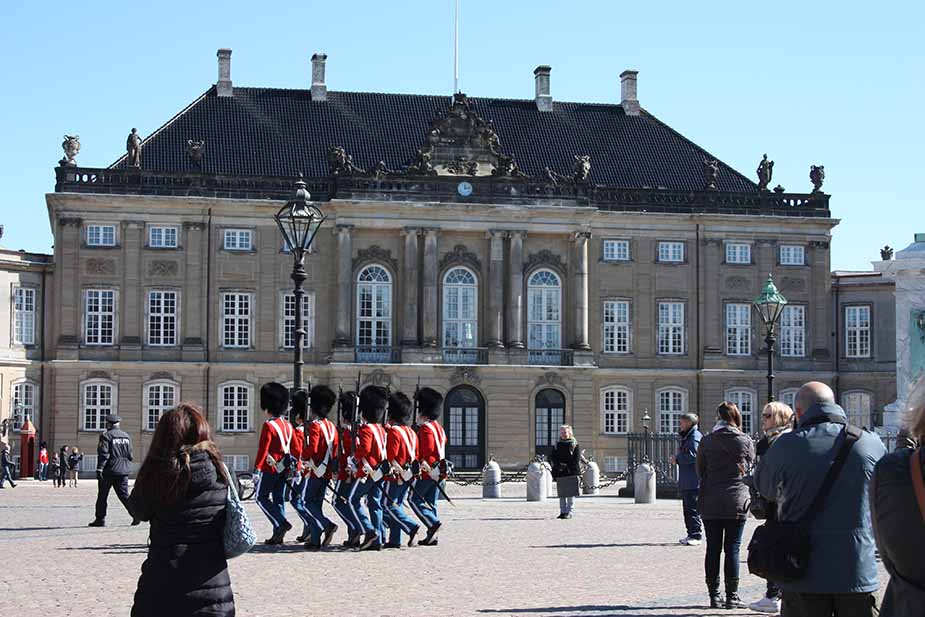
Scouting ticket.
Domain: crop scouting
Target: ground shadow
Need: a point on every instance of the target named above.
(608, 545)
(110, 549)
(603, 610)
(41, 528)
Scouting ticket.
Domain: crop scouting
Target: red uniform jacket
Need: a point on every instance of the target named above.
(298, 441)
(346, 440)
(270, 444)
(401, 446)
(316, 447)
(431, 443)
(371, 441)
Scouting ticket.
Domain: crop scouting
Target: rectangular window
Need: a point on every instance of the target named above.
(160, 237)
(236, 408)
(98, 403)
(671, 404)
(616, 250)
(616, 412)
(99, 316)
(88, 463)
(238, 462)
(101, 235)
(614, 464)
(792, 255)
(161, 398)
(236, 320)
(616, 326)
(308, 320)
(745, 401)
(24, 316)
(671, 328)
(738, 253)
(857, 331)
(738, 329)
(162, 318)
(238, 240)
(23, 404)
(671, 252)
(793, 331)
(858, 407)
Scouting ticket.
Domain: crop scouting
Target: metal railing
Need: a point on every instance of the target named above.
(551, 357)
(465, 355)
(374, 354)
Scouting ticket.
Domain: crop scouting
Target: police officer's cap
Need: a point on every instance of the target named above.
(113, 419)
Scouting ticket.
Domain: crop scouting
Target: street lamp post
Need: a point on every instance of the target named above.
(770, 305)
(299, 221)
(645, 431)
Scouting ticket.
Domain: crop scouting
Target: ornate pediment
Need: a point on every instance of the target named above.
(460, 255)
(544, 257)
(378, 378)
(375, 253)
(465, 375)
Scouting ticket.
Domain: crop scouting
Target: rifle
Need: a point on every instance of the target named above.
(414, 416)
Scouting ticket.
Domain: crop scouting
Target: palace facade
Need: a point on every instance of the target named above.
(537, 261)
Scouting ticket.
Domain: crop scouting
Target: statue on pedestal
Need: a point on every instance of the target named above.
(133, 149)
(817, 177)
(71, 146)
(710, 170)
(765, 172)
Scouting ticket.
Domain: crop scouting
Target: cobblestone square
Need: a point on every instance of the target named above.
(496, 558)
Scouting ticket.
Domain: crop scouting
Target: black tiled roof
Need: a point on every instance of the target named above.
(276, 132)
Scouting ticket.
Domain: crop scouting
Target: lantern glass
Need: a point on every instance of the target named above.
(770, 303)
(299, 221)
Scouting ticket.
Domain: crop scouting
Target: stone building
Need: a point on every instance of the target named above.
(536, 261)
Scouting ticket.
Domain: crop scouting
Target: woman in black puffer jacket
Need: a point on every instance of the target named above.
(181, 489)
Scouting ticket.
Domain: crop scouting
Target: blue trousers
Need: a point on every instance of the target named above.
(315, 489)
(723, 536)
(342, 507)
(295, 496)
(43, 471)
(691, 515)
(398, 520)
(271, 497)
(427, 512)
(366, 505)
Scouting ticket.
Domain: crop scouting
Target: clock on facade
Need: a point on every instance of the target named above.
(464, 189)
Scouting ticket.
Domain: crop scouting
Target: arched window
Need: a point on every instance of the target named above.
(616, 406)
(460, 308)
(98, 399)
(159, 397)
(858, 406)
(672, 403)
(374, 307)
(23, 403)
(788, 396)
(550, 415)
(464, 419)
(234, 406)
(745, 401)
(544, 310)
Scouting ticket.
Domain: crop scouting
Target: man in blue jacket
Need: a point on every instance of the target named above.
(688, 481)
(842, 575)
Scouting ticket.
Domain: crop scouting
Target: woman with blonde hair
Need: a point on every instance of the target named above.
(73, 466)
(897, 502)
(566, 462)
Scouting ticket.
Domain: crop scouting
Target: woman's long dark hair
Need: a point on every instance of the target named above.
(164, 477)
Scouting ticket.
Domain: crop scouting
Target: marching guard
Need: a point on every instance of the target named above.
(273, 459)
(401, 450)
(369, 453)
(347, 402)
(297, 476)
(318, 455)
(431, 456)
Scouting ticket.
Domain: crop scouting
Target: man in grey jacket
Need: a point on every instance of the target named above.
(842, 575)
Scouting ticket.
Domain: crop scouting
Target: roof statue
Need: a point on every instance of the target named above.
(71, 146)
(422, 164)
(195, 149)
(886, 253)
(582, 168)
(817, 177)
(710, 170)
(765, 172)
(341, 163)
(133, 149)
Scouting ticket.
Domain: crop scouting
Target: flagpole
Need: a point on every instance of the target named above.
(456, 50)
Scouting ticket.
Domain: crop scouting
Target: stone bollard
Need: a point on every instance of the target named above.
(547, 473)
(591, 478)
(644, 483)
(536, 482)
(491, 480)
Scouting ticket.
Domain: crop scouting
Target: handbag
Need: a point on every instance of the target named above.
(779, 551)
(567, 486)
(238, 536)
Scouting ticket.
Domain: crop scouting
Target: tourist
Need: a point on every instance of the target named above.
(842, 569)
(723, 460)
(113, 464)
(73, 466)
(43, 462)
(55, 466)
(6, 465)
(776, 420)
(897, 500)
(566, 462)
(182, 489)
(63, 469)
(272, 457)
(688, 481)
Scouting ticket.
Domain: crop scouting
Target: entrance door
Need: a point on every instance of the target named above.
(464, 414)
(550, 415)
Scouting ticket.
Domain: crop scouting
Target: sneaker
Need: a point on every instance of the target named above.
(766, 605)
(691, 541)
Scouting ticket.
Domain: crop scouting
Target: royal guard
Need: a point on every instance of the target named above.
(347, 408)
(401, 450)
(431, 456)
(368, 455)
(319, 454)
(273, 459)
(295, 487)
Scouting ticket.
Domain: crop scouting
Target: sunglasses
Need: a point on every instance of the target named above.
(767, 416)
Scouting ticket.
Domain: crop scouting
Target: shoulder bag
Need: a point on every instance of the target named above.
(780, 551)
(238, 536)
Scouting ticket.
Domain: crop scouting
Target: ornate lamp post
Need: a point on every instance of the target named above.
(770, 304)
(645, 431)
(299, 221)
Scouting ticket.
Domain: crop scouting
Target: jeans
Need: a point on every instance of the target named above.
(43, 471)
(691, 515)
(425, 506)
(120, 485)
(566, 504)
(398, 519)
(723, 536)
(271, 498)
(829, 605)
(7, 475)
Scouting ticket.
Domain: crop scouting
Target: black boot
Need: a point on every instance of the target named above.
(732, 594)
(713, 590)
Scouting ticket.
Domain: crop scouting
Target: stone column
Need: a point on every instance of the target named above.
(131, 318)
(67, 257)
(495, 314)
(581, 291)
(410, 286)
(194, 300)
(515, 303)
(429, 301)
(344, 284)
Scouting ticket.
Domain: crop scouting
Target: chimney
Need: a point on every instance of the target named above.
(543, 98)
(319, 90)
(223, 86)
(628, 99)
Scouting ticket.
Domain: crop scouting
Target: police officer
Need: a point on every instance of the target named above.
(113, 463)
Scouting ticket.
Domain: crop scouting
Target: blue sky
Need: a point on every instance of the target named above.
(805, 82)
